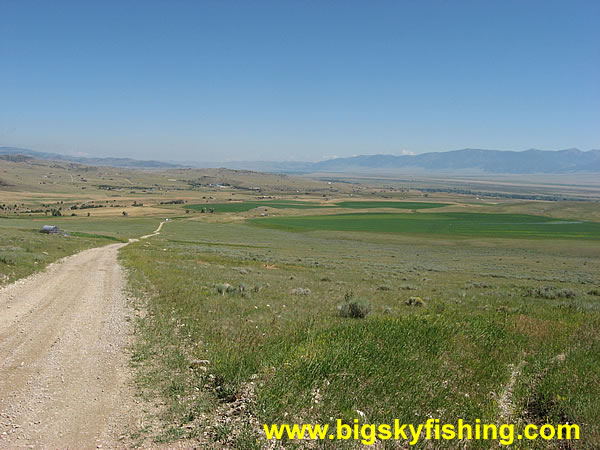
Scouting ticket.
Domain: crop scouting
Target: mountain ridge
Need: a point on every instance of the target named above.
(91, 161)
(571, 160)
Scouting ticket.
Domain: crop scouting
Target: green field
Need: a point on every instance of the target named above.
(287, 204)
(458, 224)
(396, 205)
(248, 205)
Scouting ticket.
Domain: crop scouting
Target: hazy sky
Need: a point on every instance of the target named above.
(297, 80)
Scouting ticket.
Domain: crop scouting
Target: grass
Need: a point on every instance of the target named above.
(449, 359)
(459, 224)
(121, 228)
(387, 204)
(23, 252)
(248, 205)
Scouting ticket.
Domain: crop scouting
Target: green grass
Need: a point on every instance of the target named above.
(116, 227)
(385, 204)
(286, 204)
(449, 359)
(248, 205)
(95, 236)
(459, 224)
(23, 251)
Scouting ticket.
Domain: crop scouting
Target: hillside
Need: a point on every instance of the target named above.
(491, 161)
(111, 162)
(457, 161)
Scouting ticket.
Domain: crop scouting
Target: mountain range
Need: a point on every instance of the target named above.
(472, 160)
(110, 162)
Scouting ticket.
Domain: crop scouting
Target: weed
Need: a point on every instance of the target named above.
(356, 308)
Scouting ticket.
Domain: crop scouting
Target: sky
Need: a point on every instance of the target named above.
(303, 80)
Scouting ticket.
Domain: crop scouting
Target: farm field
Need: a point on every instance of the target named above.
(390, 204)
(248, 205)
(242, 206)
(261, 306)
(459, 224)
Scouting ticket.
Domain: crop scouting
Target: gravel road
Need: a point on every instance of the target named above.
(64, 375)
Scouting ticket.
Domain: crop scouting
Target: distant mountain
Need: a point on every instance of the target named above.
(467, 160)
(111, 162)
(491, 161)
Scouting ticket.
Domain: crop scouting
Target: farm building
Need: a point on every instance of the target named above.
(50, 229)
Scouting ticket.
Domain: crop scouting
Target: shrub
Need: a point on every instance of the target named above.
(8, 259)
(230, 288)
(477, 284)
(550, 292)
(301, 291)
(408, 287)
(354, 308)
(595, 292)
(415, 301)
(222, 288)
(244, 289)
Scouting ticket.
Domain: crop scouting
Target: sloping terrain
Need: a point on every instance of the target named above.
(64, 376)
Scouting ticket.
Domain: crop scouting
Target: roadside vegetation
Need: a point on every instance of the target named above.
(24, 250)
(269, 326)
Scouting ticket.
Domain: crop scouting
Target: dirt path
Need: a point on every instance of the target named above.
(64, 376)
(155, 232)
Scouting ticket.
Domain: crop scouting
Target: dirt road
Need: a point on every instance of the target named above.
(64, 376)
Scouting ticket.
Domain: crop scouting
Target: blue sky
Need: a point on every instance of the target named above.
(297, 80)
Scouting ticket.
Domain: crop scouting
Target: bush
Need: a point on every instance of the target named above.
(354, 308)
(244, 289)
(222, 288)
(550, 292)
(415, 301)
(408, 287)
(7, 258)
(300, 291)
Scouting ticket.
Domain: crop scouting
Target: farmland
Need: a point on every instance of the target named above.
(459, 224)
(248, 205)
(389, 204)
(290, 204)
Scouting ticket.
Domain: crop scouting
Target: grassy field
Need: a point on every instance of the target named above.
(274, 352)
(386, 204)
(248, 205)
(460, 224)
(117, 227)
(24, 250)
(288, 204)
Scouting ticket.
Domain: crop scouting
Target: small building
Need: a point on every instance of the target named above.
(50, 229)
